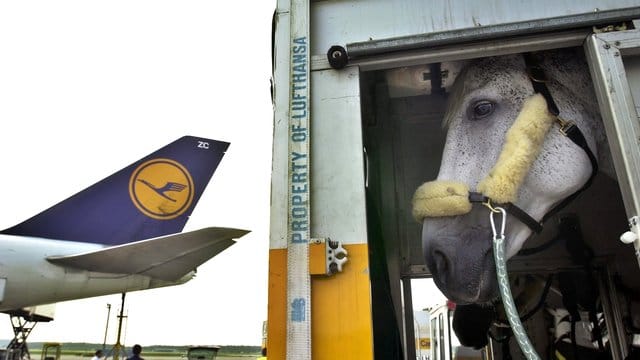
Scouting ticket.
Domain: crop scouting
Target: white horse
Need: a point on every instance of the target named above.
(534, 168)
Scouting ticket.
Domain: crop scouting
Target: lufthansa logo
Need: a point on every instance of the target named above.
(161, 189)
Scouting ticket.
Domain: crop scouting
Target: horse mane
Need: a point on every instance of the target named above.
(454, 96)
(568, 69)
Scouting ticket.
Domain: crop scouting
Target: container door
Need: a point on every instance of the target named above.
(614, 60)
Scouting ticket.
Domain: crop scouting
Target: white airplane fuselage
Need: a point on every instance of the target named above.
(124, 233)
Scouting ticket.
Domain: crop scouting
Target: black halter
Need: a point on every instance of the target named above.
(569, 129)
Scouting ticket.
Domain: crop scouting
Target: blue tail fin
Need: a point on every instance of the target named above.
(151, 197)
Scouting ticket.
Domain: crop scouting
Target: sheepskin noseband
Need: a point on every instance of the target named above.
(522, 145)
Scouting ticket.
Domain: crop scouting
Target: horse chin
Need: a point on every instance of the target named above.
(462, 265)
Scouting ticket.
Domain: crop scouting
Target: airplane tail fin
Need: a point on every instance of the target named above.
(150, 198)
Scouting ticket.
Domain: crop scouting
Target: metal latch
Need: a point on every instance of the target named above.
(326, 256)
(633, 235)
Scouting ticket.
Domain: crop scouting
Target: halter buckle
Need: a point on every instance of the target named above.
(487, 203)
(565, 125)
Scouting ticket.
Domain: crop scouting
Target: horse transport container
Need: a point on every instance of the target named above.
(360, 89)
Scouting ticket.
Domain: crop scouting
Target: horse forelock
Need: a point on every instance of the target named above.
(455, 98)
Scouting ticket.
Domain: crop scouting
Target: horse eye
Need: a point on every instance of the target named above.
(482, 109)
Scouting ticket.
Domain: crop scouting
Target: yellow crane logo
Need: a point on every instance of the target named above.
(161, 189)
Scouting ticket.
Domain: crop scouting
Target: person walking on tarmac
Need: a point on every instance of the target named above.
(97, 355)
(136, 350)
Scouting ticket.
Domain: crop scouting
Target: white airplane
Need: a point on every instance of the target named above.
(119, 235)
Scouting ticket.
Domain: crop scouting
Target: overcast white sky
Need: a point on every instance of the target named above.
(88, 87)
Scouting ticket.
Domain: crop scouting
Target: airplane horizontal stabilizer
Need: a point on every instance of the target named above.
(167, 258)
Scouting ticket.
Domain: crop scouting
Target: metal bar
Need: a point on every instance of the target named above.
(612, 315)
(469, 51)
(409, 331)
(454, 52)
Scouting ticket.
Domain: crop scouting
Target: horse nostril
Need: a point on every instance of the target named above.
(441, 262)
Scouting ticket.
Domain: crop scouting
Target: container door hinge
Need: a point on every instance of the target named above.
(326, 256)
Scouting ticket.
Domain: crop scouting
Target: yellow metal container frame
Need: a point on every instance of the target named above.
(341, 321)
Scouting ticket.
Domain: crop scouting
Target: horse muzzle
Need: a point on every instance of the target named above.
(462, 265)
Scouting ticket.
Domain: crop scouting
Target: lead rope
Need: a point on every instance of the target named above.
(505, 290)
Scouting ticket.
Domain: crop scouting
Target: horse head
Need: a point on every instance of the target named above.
(533, 167)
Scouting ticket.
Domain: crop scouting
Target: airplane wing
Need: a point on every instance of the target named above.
(167, 258)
